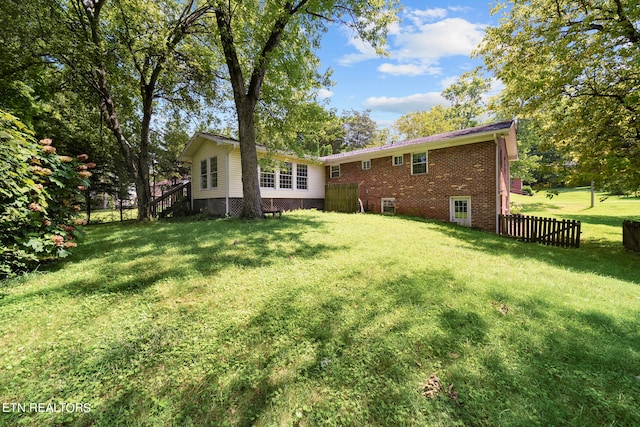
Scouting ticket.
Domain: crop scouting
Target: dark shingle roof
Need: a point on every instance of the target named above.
(494, 127)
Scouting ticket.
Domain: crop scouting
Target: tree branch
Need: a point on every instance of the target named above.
(262, 63)
(632, 34)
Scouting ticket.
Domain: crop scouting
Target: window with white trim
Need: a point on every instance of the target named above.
(267, 179)
(419, 163)
(203, 174)
(388, 206)
(398, 160)
(366, 165)
(213, 172)
(335, 171)
(286, 176)
(302, 177)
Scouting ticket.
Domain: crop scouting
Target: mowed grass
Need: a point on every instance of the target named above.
(603, 222)
(325, 319)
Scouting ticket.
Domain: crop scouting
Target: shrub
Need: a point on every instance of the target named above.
(39, 198)
(526, 189)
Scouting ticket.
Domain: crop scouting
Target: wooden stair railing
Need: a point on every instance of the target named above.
(175, 195)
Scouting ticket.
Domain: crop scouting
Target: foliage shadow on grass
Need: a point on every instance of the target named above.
(209, 246)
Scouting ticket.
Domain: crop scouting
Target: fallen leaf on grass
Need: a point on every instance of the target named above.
(501, 307)
(453, 394)
(431, 387)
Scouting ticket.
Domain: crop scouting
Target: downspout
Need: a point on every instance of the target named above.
(192, 184)
(226, 173)
(495, 138)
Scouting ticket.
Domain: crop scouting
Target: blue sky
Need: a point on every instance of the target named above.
(430, 47)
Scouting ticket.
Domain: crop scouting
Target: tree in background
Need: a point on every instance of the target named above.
(269, 52)
(574, 68)
(424, 123)
(40, 196)
(359, 129)
(465, 96)
(133, 56)
(166, 149)
(467, 106)
(531, 154)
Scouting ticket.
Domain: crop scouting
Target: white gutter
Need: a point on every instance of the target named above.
(226, 169)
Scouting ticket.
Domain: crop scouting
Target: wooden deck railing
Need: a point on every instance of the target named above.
(548, 231)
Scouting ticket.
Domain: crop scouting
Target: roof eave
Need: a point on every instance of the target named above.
(198, 139)
(425, 146)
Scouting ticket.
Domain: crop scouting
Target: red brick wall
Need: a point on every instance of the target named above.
(466, 170)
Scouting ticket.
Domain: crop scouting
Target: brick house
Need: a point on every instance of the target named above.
(460, 176)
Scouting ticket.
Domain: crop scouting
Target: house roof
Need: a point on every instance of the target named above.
(506, 129)
(201, 138)
(449, 139)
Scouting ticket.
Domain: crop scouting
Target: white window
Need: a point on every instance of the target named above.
(213, 172)
(388, 206)
(419, 163)
(366, 165)
(267, 179)
(302, 177)
(335, 171)
(203, 174)
(286, 176)
(398, 160)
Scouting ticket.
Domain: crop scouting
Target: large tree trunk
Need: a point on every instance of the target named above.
(143, 187)
(143, 192)
(251, 199)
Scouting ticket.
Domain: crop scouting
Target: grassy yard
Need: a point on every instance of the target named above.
(329, 319)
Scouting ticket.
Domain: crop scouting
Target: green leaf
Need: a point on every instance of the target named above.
(35, 244)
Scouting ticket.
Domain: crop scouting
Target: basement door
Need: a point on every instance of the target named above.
(460, 210)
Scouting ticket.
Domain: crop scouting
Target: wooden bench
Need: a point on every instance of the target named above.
(272, 212)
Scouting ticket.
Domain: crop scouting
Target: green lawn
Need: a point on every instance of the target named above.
(329, 319)
(603, 222)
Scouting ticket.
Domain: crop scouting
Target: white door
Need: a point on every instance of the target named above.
(460, 208)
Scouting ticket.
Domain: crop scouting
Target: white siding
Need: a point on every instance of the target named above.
(315, 182)
(207, 151)
(235, 174)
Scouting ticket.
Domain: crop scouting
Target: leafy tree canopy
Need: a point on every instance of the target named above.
(574, 68)
(424, 123)
(269, 50)
(465, 96)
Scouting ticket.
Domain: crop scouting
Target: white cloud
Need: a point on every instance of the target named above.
(419, 42)
(405, 104)
(448, 81)
(460, 8)
(364, 51)
(427, 36)
(431, 42)
(324, 93)
(419, 16)
(407, 69)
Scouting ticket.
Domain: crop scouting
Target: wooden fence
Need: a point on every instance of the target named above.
(548, 231)
(631, 235)
(341, 198)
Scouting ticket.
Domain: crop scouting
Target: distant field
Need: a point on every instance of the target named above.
(323, 319)
(602, 224)
(113, 215)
